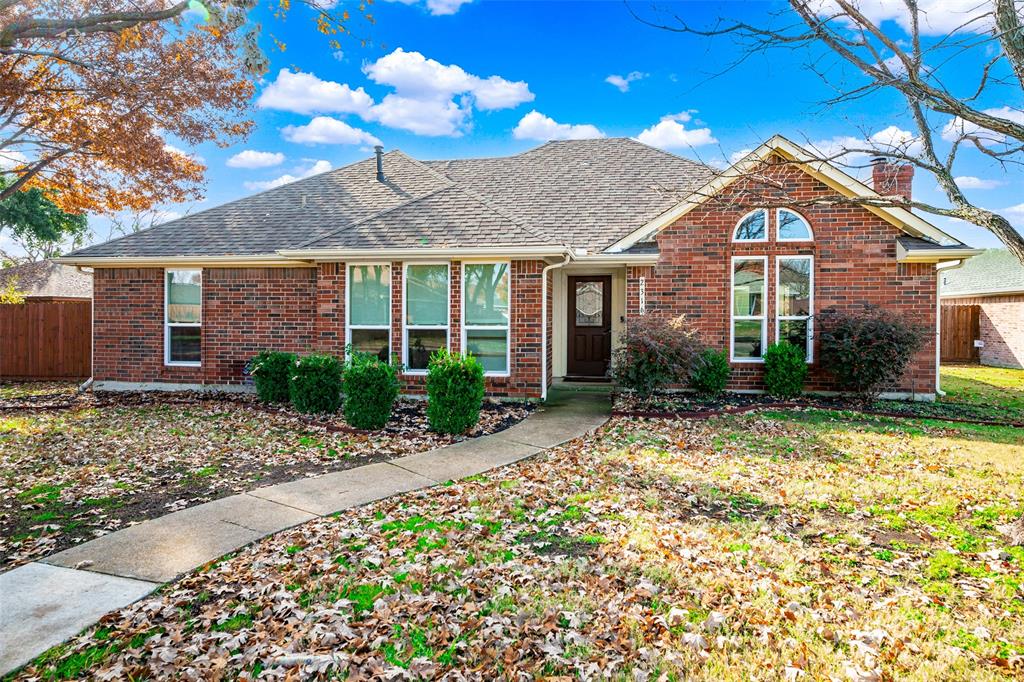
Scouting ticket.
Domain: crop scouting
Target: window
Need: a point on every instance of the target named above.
(749, 292)
(183, 315)
(485, 311)
(426, 313)
(792, 227)
(794, 296)
(369, 310)
(752, 227)
(589, 304)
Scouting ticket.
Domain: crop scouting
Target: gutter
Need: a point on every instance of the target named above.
(409, 253)
(265, 260)
(940, 254)
(544, 323)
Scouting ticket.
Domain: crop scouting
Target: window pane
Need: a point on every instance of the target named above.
(746, 338)
(489, 346)
(794, 286)
(752, 227)
(792, 226)
(426, 291)
(487, 293)
(184, 295)
(794, 331)
(423, 342)
(184, 344)
(372, 342)
(369, 294)
(748, 287)
(589, 304)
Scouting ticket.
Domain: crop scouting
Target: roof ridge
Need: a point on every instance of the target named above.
(515, 221)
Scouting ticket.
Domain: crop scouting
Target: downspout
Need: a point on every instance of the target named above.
(92, 330)
(544, 323)
(939, 270)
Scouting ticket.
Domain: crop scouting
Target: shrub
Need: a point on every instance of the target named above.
(785, 370)
(653, 353)
(315, 385)
(711, 372)
(455, 391)
(867, 350)
(272, 370)
(370, 389)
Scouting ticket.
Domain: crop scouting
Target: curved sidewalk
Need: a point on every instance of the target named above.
(44, 603)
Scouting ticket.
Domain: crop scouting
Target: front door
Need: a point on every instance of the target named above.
(590, 325)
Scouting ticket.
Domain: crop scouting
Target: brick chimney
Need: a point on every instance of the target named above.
(891, 179)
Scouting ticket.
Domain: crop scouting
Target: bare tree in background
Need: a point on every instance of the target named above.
(904, 58)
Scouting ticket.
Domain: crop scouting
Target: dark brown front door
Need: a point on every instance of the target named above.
(590, 325)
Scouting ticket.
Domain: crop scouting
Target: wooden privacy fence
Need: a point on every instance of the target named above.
(51, 340)
(960, 327)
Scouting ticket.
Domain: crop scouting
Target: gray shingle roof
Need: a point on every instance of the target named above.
(582, 193)
(994, 270)
(46, 278)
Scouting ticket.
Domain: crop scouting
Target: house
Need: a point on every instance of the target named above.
(994, 282)
(46, 280)
(533, 262)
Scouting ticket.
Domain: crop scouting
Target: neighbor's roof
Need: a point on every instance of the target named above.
(583, 194)
(45, 279)
(995, 271)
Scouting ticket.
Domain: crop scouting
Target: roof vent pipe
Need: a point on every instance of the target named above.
(379, 151)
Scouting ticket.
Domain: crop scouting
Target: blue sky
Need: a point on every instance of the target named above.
(443, 78)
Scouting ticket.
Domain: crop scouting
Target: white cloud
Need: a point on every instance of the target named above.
(537, 126)
(957, 128)
(422, 116)
(737, 156)
(250, 158)
(327, 130)
(305, 93)
(318, 166)
(622, 82)
(937, 17)
(177, 150)
(892, 139)
(1017, 210)
(671, 133)
(10, 158)
(438, 7)
(972, 182)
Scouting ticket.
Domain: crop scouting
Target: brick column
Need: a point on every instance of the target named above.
(455, 319)
(330, 308)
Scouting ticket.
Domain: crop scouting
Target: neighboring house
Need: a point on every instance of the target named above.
(46, 280)
(532, 262)
(993, 281)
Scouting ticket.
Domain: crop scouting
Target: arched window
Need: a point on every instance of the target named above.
(792, 227)
(752, 227)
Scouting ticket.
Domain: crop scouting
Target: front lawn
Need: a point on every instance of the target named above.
(68, 475)
(996, 387)
(793, 545)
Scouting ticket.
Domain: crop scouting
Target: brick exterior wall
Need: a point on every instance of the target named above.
(295, 309)
(1001, 325)
(854, 262)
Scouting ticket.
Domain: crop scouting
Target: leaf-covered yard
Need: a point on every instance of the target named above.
(68, 475)
(792, 545)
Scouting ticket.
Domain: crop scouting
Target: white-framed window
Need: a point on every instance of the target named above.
(752, 227)
(748, 314)
(485, 315)
(426, 311)
(183, 317)
(368, 309)
(794, 301)
(790, 226)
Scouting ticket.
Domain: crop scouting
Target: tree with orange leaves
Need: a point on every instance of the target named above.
(89, 89)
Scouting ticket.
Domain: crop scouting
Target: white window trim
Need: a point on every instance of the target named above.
(406, 327)
(767, 226)
(168, 324)
(778, 226)
(779, 318)
(732, 310)
(507, 327)
(348, 306)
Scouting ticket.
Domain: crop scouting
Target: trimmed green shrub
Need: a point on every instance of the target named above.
(315, 385)
(455, 391)
(370, 388)
(866, 351)
(785, 370)
(710, 372)
(654, 353)
(271, 371)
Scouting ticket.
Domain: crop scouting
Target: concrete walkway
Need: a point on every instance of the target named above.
(45, 603)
